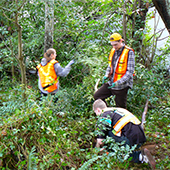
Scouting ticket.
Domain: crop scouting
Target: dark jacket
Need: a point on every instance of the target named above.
(133, 132)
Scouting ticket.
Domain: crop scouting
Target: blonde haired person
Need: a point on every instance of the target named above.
(48, 72)
(121, 125)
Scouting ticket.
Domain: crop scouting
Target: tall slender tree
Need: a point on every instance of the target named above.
(15, 17)
(124, 21)
(49, 24)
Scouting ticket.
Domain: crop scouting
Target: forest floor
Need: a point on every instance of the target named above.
(159, 149)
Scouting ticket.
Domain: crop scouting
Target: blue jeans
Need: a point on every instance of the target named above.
(134, 154)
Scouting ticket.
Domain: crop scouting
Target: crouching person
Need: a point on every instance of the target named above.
(122, 125)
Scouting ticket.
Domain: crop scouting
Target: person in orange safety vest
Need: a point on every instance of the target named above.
(119, 73)
(49, 70)
(121, 125)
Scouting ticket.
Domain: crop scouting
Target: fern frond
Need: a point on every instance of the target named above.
(31, 158)
(88, 163)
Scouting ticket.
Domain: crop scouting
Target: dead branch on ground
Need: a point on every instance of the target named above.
(144, 114)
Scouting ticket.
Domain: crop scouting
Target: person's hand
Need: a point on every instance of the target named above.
(113, 85)
(104, 78)
(71, 62)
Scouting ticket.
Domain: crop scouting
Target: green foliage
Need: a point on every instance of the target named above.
(32, 164)
(87, 164)
(41, 134)
(148, 84)
(31, 19)
(28, 128)
(118, 157)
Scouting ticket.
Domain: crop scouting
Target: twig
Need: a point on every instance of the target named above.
(23, 3)
(144, 114)
(8, 18)
(95, 87)
(155, 34)
(163, 38)
(106, 24)
(5, 9)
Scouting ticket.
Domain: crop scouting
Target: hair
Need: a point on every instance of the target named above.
(99, 103)
(48, 53)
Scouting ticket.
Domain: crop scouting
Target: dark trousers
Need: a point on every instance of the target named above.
(120, 95)
(134, 154)
(44, 94)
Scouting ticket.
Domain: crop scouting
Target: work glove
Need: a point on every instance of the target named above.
(113, 85)
(71, 62)
(104, 79)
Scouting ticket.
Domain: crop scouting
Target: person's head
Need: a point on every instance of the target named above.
(50, 54)
(116, 41)
(98, 106)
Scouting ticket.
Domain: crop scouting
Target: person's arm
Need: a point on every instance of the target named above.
(63, 72)
(107, 71)
(130, 68)
(60, 71)
(103, 127)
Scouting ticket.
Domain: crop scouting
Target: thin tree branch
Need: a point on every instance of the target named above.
(163, 38)
(144, 114)
(8, 18)
(5, 9)
(96, 85)
(106, 23)
(21, 5)
(155, 34)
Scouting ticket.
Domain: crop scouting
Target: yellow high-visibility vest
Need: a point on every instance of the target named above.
(121, 65)
(126, 118)
(48, 76)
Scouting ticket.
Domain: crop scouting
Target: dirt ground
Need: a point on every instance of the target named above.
(158, 151)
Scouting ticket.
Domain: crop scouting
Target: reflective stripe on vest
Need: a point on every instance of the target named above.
(122, 63)
(48, 77)
(126, 118)
(111, 57)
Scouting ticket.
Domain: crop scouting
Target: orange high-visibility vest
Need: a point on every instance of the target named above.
(121, 65)
(126, 118)
(48, 76)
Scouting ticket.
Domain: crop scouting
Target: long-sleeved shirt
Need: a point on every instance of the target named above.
(60, 71)
(127, 79)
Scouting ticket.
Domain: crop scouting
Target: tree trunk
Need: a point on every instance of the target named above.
(134, 19)
(49, 24)
(12, 69)
(124, 21)
(163, 8)
(20, 58)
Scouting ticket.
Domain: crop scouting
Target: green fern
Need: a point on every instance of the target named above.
(88, 163)
(31, 160)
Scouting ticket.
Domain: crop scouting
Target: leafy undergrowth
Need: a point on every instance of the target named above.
(41, 134)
